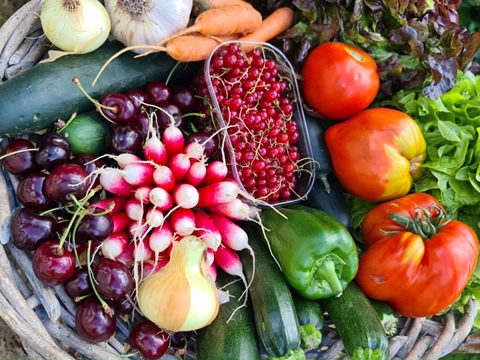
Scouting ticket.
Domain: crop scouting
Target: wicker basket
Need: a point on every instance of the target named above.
(44, 317)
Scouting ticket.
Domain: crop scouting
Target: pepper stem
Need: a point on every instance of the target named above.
(326, 271)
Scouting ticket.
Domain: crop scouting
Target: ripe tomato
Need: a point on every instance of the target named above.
(339, 80)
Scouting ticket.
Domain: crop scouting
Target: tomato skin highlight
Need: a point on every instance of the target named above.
(339, 80)
(418, 277)
(376, 154)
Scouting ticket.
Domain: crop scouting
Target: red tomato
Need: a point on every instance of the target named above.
(339, 80)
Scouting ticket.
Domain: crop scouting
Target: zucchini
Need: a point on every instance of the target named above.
(88, 133)
(388, 317)
(235, 339)
(273, 307)
(36, 98)
(330, 198)
(311, 322)
(319, 149)
(357, 323)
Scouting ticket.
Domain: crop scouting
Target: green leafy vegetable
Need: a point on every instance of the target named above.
(411, 40)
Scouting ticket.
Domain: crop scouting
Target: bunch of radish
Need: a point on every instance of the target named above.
(170, 193)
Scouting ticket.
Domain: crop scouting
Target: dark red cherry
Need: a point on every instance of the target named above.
(126, 139)
(54, 149)
(184, 99)
(158, 93)
(124, 109)
(30, 192)
(147, 338)
(139, 98)
(95, 227)
(178, 339)
(78, 284)
(124, 305)
(53, 265)
(22, 163)
(165, 120)
(65, 180)
(29, 229)
(92, 322)
(114, 278)
(141, 121)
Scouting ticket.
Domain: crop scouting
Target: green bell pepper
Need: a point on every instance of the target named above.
(316, 253)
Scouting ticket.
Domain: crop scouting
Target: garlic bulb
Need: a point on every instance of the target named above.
(75, 26)
(181, 296)
(146, 22)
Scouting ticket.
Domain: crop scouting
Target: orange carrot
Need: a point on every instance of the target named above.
(200, 6)
(273, 25)
(186, 48)
(234, 19)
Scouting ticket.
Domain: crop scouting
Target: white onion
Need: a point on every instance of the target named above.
(75, 26)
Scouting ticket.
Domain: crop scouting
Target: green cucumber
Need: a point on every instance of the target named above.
(88, 133)
(235, 339)
(357, 323)
(39, 96)
(273, 307)
(311, 322)
(387, 315)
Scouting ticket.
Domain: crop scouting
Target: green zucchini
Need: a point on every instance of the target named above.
(235, 339)
(39, 96)
(273, 307)
(357, 323)
(88, 133)
(311, 322)
(387, 315)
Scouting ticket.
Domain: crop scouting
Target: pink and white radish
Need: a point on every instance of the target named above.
(154, 218)
(196, 173)
(185, 196)
(194, 151)
(213, 271)
(173, 140)
(235, 210)
(232, 235)
(179, 164)
(210, 256)
(120, 221)
(228, 260)
(218, 193)
(138, 173)
(114, 245)
(207, 231)
(134, 209)
(142, 194)
(183, 221)
(161, 238)
(113, 182)
(142, 251)
(114, 204)
(149, 269)
(163, 177)
(126, 256)
(154, 150)
(125, 159)
(216, 171)
(137, 229)
(161, 199)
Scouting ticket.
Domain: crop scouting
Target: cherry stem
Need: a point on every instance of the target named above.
(74, 242)
(80, 298)
(77, 82)
(17, 152)
(105, 306)
(75, 214)
(74, 115)
(172, 71)
(193, 114)
(52, 210)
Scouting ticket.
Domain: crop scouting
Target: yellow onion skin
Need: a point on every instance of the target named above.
(181, 297)
(75, 26)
